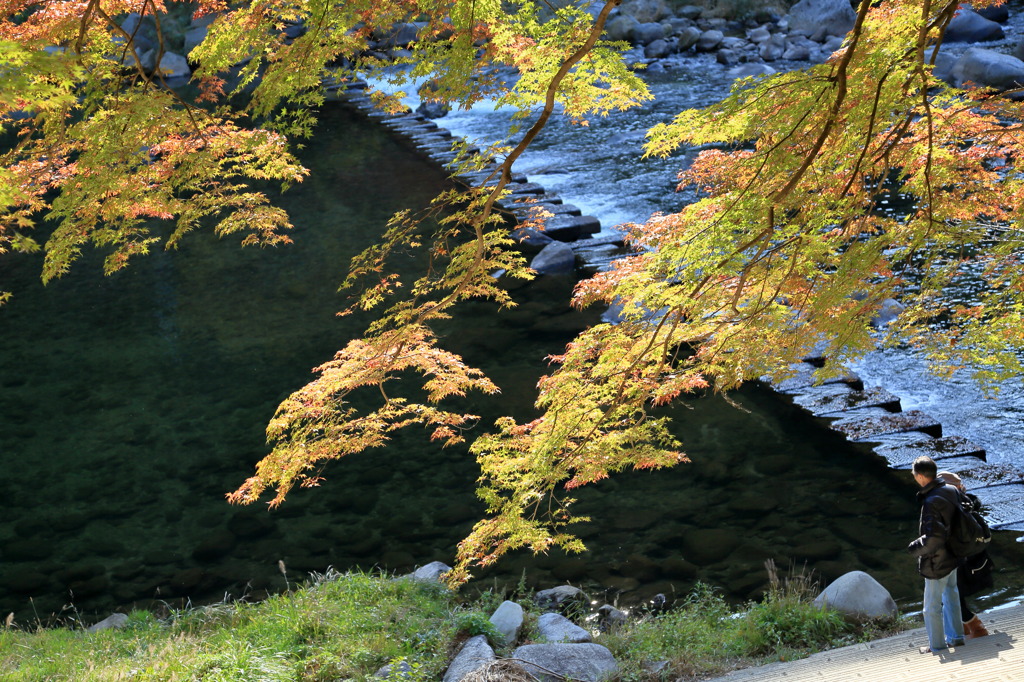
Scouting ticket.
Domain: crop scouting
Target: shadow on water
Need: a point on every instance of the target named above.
(132, 404)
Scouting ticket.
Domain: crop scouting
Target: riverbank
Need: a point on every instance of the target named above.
(349, 626)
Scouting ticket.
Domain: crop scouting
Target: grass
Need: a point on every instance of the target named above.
(346, 626)
(705, 636)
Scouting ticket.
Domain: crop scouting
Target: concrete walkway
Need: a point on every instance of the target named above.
(996, 658)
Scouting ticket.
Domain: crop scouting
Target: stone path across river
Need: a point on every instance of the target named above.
(996, 658)
(875, 417)
(869, 415)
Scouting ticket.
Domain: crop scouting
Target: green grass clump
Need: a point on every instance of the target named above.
(705, 636)
(341, 627)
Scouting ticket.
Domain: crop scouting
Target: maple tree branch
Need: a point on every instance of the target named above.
(506, 166)
(839, 77)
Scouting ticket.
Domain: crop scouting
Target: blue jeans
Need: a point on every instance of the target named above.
(942, 612)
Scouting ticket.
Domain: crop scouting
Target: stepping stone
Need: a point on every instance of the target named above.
(876, 422)
(804, 376)
(433, 145)
(837, 398)
(474, 178)
(953, 452)
(569, 228)
(525, 188)
(1003, 504)
(411, 124)
(524, 210)
(525, 200)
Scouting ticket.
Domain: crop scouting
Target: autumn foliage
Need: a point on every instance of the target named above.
(786, 251)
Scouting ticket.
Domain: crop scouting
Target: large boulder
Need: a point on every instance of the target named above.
(773, 48)
(645, 11)
(688, 37)
(994, 13)
(581, 662)
(561, 598)
(659, 49)
(173, 66)
(835, 17)
(114, 621)
(555, 627)
(709, 40)
(648, 33)
(622, 27)
(557, 258)
(431, 573)
(970, 27)
(988, 68)
(508, 620)
(474, 654)
(858, 595)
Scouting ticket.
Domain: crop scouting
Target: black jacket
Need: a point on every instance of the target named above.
(938, 505)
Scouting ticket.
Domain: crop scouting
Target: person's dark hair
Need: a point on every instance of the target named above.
(925, 466)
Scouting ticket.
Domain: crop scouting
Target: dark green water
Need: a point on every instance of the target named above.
(130, 405)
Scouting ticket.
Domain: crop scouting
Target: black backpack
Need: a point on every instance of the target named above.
(968, 534)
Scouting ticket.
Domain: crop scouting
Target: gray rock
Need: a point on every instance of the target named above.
(832, 44)
(759, 35)
(556, 628)
(581, 662)
(622, 27)
(675, 25)
(114, 621)
(734, 43)
(988, 68)
(797, 53)
(557, 258)
(970, 27)
(645, 11)
(727, 57)
(688, 37)
(142, 30)
(691, 12)
(944, 64)
(610, 618)
(173, 65)
(193, 37)
(888, 311)
(659, 49)
(473, 655)
(404, 34)
(648, 33)
(508, 619)
(530, 240)
(559, 597)
(147, 60)
(431, 573)
(999, 13)
(859, 596)
(773, 48)
(398, 671)
(432, 109)
(709, 40)
(834, 17)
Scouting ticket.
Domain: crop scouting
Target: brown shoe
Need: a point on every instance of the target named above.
(974, 628)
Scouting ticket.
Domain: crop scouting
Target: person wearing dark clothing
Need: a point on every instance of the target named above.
(935, 561)
(973, 573)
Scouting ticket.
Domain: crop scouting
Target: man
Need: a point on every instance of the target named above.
(935, 561)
